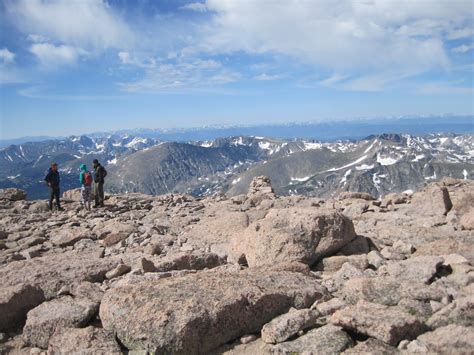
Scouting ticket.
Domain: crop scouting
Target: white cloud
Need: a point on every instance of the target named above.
(51, 55)
(195, 6)
(6, 56)
(463, 48)
(466, 32)
(182, 75)
(127, 59)
(267, 77)
(350, 37)
(87, 24)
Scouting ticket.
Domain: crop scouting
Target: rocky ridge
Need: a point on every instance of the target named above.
(253, 273)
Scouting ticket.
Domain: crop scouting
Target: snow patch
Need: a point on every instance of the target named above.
(312, 145)
(346, 175)
(112, 161)
(349, 165)
(418, 158)
(235, 181)
(386, 160)
(369, 148)
(303, 179)
(364, 167)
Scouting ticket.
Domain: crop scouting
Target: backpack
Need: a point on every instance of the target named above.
(87, 178)
(104, 172)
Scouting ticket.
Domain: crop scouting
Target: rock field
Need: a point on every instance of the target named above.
(252, 274)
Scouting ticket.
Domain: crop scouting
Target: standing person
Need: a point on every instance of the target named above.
(85, 178)
(99, 175)
(53, 180)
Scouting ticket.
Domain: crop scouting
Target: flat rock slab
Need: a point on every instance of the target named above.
(419, 268)
(325, 340)
(67, 237)
(84, 341)
(389, 324)
(43, 320)
(288, 324)
(449, 339)
(15, 302)
(52, 272)
(372, 347)
(198, 312)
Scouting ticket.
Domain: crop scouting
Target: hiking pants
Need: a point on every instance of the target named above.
(54, 196)
(99, 193)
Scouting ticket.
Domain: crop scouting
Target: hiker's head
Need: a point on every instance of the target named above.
(83, 167)
(95, 162)
(54, 167)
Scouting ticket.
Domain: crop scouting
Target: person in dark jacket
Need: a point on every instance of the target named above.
(53, 180)
(99, 179)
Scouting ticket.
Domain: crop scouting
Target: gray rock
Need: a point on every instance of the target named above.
(118, 271)
(69, 236)
(420, 268)
(293, 234)
(329, 307)
(51, 272)
(285, 326)
(15, 302)
(461, 312)
(389, 324)
(89, 340)
(223, 306)
(448, 339)
(12, 194)
(43, 320)
(375, 259)
(371, 347)
(328, 339)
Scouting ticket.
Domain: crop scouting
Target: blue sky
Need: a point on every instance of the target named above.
(78, 66)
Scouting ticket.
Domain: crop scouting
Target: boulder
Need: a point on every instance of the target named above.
(420, 268)
(434, 200)
(328, 339)
(86, 341)
(285, 326)
(12, 194)
(51, 272)
(461, 312)
(293, 234)
(116, 232)
(371, 347)
(467, 220)
(69, 236)
(260, 190)
(329, 307)
(223, 307)
(375, 259)
(15, 302)
(345, 195)
(189, 261)
(73, 195)
(43, 320)
(120, 270)
(448, 339)
(388, 324)
(360, 245)
(334, 263)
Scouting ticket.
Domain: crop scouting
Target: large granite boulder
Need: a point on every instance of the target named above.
(198, 312)
(293, 234)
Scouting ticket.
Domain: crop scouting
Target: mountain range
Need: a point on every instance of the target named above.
(377, 164)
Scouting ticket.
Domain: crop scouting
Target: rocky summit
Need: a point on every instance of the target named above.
(255, 273)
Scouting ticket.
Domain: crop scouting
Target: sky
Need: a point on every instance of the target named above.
(77, 66)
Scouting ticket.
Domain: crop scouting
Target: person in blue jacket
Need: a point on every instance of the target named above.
(53, 180)
(85, 178)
